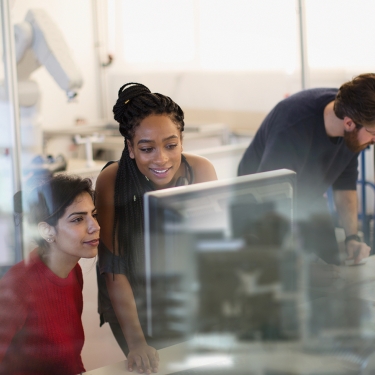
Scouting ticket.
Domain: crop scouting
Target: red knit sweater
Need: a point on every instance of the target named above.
(40, 320)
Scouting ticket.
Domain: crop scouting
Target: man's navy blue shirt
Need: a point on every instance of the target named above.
(293, 136)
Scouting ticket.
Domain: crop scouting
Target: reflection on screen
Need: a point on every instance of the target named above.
(220, 259)
(229, 268)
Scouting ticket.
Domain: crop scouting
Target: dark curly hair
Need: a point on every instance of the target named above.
(135, 102)
(356, 100)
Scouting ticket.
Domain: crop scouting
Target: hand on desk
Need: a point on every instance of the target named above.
(357, 251)
(145, 357)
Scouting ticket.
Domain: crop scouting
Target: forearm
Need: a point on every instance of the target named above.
(123, 303)
(346, 202)
(347, 208)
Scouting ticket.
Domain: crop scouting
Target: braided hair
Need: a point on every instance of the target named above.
(135, 102)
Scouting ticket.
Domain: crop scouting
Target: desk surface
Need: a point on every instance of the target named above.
(287, 358)
(280, 359)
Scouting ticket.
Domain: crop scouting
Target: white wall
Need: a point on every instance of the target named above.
(229, 91)
(242, 91)
(243, 55)
(246, 91)
(75, 20)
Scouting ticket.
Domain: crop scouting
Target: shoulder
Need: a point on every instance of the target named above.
(105, 184)
(202, 168)
(16, 294)
(310, 102)
(107, 175)
(22, 270)
(312, 94)
(14, 273)
(17, 280)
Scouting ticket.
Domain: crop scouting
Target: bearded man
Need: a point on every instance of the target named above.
(318, 133)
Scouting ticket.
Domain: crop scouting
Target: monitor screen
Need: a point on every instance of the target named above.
(220, 259)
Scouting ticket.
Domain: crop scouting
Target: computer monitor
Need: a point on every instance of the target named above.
(220, 259)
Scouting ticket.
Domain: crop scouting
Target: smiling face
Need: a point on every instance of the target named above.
(76, 234)
(156, 148)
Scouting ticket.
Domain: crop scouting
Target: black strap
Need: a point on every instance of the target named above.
(109, 163)
(354, 237)
(188, 179)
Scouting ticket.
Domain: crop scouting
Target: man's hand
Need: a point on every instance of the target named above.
(145, 357)
(357, 250)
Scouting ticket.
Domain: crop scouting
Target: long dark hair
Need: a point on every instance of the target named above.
(135, 102)
(48, 201)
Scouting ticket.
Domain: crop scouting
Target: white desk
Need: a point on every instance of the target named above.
(270, 358)
(254, 359)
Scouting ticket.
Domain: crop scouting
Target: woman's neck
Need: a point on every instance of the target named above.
(59, 263)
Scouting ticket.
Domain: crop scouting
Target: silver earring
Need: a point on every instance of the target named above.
(147, 178)
(135, 198)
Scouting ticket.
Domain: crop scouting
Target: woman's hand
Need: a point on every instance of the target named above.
(145, 357)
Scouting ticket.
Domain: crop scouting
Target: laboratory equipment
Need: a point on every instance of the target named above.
(88, 141)
(39, 42)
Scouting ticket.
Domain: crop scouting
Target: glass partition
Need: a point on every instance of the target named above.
(10, 181)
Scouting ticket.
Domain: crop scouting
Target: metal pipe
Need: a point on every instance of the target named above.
(11, 89)
(99, 11)
(303, 44)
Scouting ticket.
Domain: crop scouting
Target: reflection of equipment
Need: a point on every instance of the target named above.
(45, 166)
(38, 41)
(42, 167)
(204, 271)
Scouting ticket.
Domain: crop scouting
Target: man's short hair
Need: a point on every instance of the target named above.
(356, 100)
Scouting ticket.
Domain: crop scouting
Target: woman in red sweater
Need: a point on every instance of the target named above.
(41, 298)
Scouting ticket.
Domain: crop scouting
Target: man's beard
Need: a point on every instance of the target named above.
(352, 143)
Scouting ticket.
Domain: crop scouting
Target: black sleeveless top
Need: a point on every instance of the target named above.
(111, 263)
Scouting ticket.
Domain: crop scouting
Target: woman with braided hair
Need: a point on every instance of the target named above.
(152, 126)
